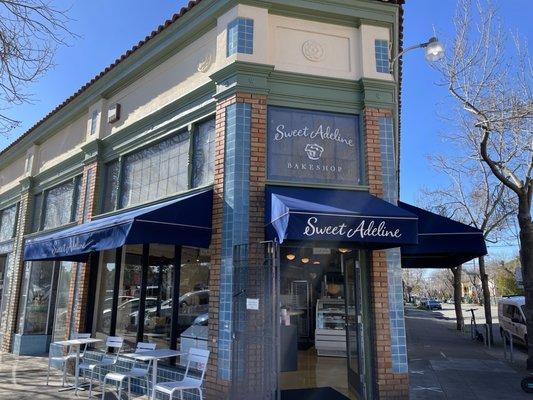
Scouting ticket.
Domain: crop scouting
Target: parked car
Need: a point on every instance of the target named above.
(512, 317)
(433, 304)
(423, 301)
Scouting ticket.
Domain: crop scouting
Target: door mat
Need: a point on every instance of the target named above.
(323, 393)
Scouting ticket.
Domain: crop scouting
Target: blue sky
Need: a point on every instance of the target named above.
(108, 28)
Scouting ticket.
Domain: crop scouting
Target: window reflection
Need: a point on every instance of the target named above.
(158, 315)
(35, 297)
(62, 297)
(129, 294)
(105, 294)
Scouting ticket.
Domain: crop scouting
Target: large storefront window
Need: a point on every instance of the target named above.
(104, 295)
(154, 323)
(174, 165)
(158, 314)
(6, 263)
(8, 220)
(129, 294)
(66, 270)
(35, 297)
(56, 206)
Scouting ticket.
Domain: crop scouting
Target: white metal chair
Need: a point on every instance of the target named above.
(63, 359)
(196, 360)
(138, 370)
(108, 359)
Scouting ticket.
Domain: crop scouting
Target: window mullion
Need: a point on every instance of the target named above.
(176, 277)
(142, 300)
(119, 182)
(43, 210)
(192, 135)
(116, 289)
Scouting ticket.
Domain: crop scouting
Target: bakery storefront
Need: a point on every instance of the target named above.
(326, 224)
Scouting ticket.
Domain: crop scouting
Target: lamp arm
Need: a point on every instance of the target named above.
(401, 53)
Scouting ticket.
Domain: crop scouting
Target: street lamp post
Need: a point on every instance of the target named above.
(433, 48)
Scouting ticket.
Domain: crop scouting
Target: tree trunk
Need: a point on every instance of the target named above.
(486, 296)
(457, 296)
(526, 261)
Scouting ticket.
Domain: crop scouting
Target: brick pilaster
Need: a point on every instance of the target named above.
(218, 388)
(390, 386)
(23, 227)
(79, 285)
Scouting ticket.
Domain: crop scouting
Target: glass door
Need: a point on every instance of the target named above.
(354, 323)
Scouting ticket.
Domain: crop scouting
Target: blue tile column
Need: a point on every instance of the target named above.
(235, 224)
(394, 268)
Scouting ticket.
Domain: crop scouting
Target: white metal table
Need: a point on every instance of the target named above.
(78, 343)
(154, 355)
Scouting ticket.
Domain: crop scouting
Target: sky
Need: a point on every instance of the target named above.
(107, 29)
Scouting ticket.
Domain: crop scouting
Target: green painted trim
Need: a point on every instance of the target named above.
(380, 94)
(241, 77)
(315, 93)
(339, 12)
(11, 197)
(92, 151)
(50, 230)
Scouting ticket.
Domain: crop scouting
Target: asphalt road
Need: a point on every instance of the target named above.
(446, 364)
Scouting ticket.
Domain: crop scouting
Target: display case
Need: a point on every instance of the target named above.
(330, 332)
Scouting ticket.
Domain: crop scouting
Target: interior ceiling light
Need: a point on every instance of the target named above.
(343, 250)
(305, 260)
(316, 262)
(290, 257)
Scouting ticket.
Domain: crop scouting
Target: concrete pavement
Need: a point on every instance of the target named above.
(446, 364)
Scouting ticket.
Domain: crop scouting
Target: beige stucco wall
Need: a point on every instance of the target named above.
(174, 78)
(12, 174)
(62, 145)
(314, 48)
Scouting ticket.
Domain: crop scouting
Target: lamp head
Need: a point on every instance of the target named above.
(434, 50)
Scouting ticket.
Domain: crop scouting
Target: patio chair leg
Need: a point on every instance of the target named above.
(129, 388)
(64, 373)
(200, 393)
(147, 387)
(91, 384)
(48, 373)
(119, 390)
(103, 389)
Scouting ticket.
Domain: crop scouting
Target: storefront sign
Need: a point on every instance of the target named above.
(364, 229)
(313, 147)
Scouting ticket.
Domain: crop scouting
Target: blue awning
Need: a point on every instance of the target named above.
(336, 215)
(442, 242)
(182, 221)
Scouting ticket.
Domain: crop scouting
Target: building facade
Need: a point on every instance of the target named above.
(233, 110)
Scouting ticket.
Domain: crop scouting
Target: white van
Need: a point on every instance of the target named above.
(512, 317)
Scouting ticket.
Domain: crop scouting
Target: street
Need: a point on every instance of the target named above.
(447, 364)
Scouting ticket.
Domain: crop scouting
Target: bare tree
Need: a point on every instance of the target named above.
(30, 32)
(412, 279)
(458, 297)
(489, 74)
(473, 196)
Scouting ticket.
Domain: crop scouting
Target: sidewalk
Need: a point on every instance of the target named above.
(447, 364)
(24, 378)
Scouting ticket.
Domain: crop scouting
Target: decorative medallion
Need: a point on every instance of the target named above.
(205, 62)
(313, 51)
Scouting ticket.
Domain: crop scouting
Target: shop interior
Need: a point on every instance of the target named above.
(313, 319)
